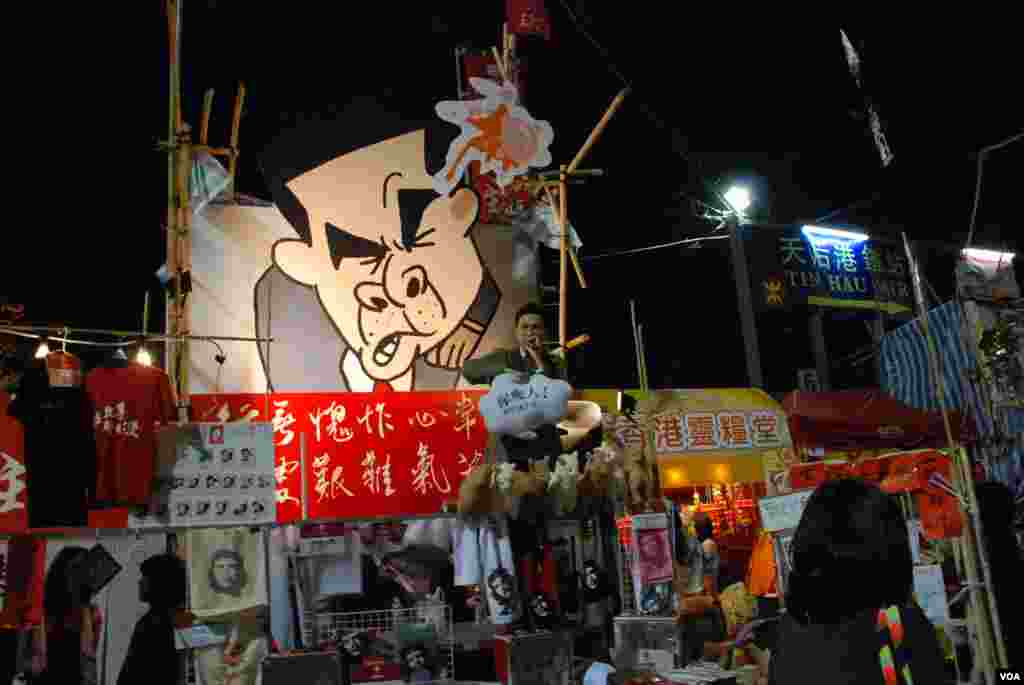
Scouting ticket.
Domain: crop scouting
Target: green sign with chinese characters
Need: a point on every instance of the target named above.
(796, 266)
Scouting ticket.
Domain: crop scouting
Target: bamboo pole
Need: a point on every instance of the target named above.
(500, 63)
(236, 123)
(562, 229)
(990, 638)
(184, 177)
(598, 130)
(204, 124)
(563, 263)
(173, 8)
(505, 47)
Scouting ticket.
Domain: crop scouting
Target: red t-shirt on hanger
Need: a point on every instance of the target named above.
(130, 403)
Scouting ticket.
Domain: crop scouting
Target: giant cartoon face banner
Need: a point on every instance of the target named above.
(364, 276)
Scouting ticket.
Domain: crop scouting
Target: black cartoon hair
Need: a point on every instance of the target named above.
(319, 137)
(851, 538)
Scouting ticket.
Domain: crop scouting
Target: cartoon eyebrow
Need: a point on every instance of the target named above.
(411, 205)
(343, 244)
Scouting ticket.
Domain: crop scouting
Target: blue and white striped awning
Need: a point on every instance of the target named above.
(906, 376)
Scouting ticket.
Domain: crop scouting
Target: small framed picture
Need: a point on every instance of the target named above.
(784, 557)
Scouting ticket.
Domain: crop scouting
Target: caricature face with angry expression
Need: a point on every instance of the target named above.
(392, 262)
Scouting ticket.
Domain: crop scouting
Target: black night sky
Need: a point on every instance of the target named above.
(716, 98)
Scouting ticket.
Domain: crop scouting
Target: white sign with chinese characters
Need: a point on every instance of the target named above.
(215, 474)
(783, 512)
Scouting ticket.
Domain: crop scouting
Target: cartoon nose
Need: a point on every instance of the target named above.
(372, 296)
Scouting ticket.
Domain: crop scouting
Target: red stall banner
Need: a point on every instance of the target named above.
(13, 485)
(367, 455)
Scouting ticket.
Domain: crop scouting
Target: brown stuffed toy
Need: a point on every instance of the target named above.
(488, 488)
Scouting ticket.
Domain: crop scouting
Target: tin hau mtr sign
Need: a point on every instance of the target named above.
(814, 266)
(368, 455)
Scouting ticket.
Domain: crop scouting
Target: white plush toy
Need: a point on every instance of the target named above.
(518, 404)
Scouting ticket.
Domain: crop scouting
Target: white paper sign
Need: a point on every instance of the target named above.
(200, 635)
(325, 547)
(930, 591)
(914, 532)
(215, 474)
(656, 660)
(783, 512)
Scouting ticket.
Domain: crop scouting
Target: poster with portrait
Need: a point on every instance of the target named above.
(215, 474)
(227, 571)
(652, 564)
(653, 549)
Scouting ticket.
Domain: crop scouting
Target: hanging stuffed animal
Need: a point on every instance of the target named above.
(563, 484)
(488, 488)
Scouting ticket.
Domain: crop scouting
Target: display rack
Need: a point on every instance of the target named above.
(321, 627)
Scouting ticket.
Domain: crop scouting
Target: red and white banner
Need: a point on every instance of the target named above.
(367, 455)
(13, 495)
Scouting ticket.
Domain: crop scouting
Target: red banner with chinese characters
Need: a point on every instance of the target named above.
(368, 455)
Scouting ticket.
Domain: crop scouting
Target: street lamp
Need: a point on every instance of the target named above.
(738, 198)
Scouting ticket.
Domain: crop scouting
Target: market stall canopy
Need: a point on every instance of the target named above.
(704, 436)
(867, 419)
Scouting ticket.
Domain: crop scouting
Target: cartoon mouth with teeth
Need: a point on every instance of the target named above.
(386, 312)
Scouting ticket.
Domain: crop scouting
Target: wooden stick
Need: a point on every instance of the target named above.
(505, 49)
(576, 265)
(236, 123)
(204, 124)
(562, 230)
(173, 9)
(598, 130)
(563, 264)
(215, 151)
(501, 64)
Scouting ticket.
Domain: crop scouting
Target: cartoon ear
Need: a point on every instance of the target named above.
(299, 261)
(465, 207)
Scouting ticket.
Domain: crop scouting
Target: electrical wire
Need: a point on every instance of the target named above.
(73, 341)
(597, 46)
(685, 241)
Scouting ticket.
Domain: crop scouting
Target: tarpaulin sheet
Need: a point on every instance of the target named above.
(866, 419)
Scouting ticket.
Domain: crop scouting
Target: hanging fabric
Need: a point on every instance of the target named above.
(60, 449)
(131, 404)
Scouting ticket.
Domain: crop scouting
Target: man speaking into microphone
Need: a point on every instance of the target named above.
(530, 358)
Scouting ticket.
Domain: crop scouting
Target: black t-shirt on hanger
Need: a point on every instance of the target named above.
(60, 450)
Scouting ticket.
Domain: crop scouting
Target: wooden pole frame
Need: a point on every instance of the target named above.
(181, 153)
(565, 171)
(985, 613)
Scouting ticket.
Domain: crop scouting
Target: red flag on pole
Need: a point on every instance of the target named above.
(528, 17)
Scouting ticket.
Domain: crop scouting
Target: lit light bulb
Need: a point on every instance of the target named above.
(43, 350)
(738, 198)
(143, 357)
